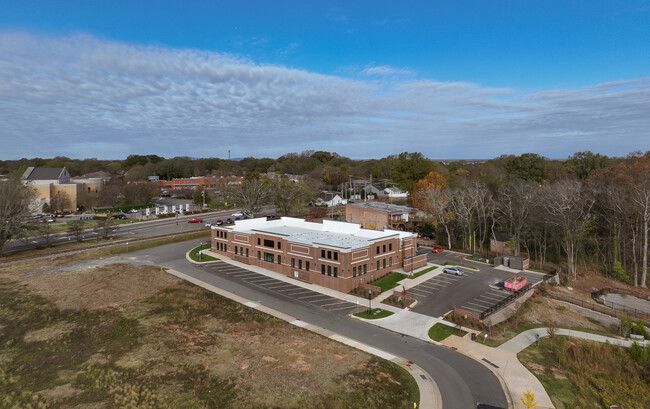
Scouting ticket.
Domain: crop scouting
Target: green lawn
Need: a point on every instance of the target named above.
(202, 258)
(441, 331)
(451, 263)
(389, 281)
(419, 273)
(374, 314)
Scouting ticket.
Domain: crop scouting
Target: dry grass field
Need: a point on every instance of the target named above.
(126, 336)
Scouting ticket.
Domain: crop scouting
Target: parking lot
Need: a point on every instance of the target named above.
(291, 291)
(474, 291)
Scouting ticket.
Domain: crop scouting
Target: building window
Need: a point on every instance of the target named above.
(383, 249)
(390, 246)
(329, 271)
(299, 264)
(241, 251)
(279, 245)
(322, 269)
(377, 249)
(329, 255)
(307, 265)
(365, 269)
(390, 261)
(259, 255)
(269, 257)
(377, 264)
(246, 252)
(225, 235)
(336, 255)
(279, 259)
(336, 271)
(384, 263)
(322, 253)
(269, 243)
(354, 271)
(235, 250)
(259, 241)
(293, 262)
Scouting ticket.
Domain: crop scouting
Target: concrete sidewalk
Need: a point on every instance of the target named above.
(527, 338)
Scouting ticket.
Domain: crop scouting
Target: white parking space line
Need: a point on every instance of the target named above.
(261, 280)
(498, 293)
(418, 290)
(334, 303)
(490, 298)
(481, 303)
(276, 286)
(290, 289)
(471, 308)
(244, 275)
(309, 298)
(297, 292)
(343, 308)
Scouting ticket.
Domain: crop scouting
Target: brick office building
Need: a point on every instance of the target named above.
(332, 254)
(380, 215)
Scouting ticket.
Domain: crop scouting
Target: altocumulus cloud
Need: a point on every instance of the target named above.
(81, 96)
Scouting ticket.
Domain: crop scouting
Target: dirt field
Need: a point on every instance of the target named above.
(133, 336)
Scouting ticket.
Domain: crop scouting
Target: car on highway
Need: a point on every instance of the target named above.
(38, 216)
(237, 214)
(119, 216)
(59, 215)
(219, 222)
(453, 270)
(195, 220)
(51, 220)
(437, 250)
(208, 224)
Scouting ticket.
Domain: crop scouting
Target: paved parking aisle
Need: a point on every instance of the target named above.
(281, 287)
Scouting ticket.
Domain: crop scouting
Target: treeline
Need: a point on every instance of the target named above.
(589, 212)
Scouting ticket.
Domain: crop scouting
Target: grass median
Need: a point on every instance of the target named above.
(390, 281)
(201, 258)
(373, 314)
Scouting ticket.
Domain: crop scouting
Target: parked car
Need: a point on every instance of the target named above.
(237, 214)
(58, 216)
(133, 211)
(453, 270)
(228, 220)
(437, 250)
(208, 224)
(51, 219)
(38, 216)
(119, 216)
(219, 222)
(195, 220)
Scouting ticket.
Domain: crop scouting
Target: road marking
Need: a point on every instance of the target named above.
(471, 308)
(301, 291)
(281, 285)
(417, 290)
(492, 298)
(480, 302)
(251, 304)
(343, 308)
(261, 280)
(292, 288)
(336, 303)
(312, 296)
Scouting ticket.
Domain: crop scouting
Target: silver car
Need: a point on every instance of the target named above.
(453, 270)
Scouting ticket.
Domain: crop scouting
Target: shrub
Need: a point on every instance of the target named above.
(639, 354)
(619, 273)
(639, 329)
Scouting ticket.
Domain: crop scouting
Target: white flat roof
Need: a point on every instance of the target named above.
(330, 233)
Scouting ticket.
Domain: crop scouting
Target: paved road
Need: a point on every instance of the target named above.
(473, 291)
(463, 382)
(136, 230)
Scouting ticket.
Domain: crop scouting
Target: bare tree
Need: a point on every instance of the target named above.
(105, 227)
(484, 209)
(60, 202)
(567, 207)
(463, 204)
(14, 209)
(288, 195)
(76, 228)
(516, 199)
(45, 231)
(436, 204)
(250, 195)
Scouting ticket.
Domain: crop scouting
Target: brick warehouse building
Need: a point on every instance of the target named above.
(337, 255)
(380, 215)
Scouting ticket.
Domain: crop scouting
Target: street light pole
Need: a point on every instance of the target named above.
(201, 252)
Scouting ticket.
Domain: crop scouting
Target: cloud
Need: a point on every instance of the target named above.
(385, 70)
(81, 96)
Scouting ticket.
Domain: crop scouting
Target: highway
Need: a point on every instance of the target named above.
(463, 382)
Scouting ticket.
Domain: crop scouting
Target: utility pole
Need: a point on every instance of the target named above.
(228, 154)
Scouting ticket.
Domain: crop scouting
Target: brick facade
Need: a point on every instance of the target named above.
(329, 266)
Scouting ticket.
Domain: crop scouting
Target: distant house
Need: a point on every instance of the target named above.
(153, 178)
(394, 192)
(375, 190)
(328, 199)
(380, 215)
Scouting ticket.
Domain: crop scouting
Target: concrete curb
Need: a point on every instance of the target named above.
(430, 397)
(188, 258)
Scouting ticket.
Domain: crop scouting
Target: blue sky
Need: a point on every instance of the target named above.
(364, 78)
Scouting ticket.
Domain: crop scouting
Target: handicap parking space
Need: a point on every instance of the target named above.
(281, 287)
